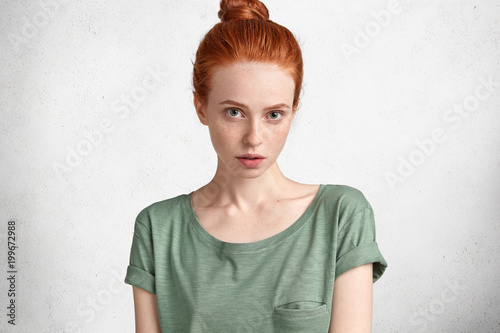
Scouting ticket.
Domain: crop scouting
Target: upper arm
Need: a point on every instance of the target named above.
(146, 311)
(353, 301)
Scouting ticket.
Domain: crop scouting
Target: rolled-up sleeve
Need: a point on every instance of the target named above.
(357, 244)
(141, 270)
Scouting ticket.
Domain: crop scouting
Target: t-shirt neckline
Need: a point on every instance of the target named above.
(252, 246)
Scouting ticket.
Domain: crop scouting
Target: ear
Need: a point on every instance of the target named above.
(201, 109)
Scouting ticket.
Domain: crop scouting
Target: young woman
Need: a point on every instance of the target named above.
(253, 251)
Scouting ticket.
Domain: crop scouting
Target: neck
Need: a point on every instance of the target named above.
(245, 193)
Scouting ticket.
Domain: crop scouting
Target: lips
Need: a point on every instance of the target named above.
(251, 160)
(251, 156)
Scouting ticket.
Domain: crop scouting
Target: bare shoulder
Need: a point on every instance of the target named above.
(304, 191)
(204, 196)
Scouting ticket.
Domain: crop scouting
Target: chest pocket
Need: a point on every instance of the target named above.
(301, 316)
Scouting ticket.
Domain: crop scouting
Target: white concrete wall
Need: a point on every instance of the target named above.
(413, 89)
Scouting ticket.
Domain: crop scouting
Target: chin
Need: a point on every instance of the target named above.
(248, 173)
(251, 174)
(236, 169)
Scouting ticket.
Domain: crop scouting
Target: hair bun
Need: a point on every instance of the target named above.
(242, 10)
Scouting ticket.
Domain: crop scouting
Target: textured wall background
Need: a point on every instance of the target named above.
(401, 100)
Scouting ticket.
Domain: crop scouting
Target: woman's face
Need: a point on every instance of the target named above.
(248, 111)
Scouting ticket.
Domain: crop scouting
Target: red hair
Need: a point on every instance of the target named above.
(245, 33)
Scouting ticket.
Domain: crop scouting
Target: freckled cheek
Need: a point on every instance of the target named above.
(226, 132)
(276, 134)
(223, 136)
(277, 138)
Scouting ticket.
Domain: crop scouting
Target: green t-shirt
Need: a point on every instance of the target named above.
(283, 283)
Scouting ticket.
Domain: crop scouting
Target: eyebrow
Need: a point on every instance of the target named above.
(277, 106)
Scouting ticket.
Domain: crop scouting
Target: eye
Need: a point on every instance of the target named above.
(275, 115)
(233, 113)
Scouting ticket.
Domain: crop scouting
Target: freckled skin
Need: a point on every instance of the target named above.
(255, 127)
(249, 110)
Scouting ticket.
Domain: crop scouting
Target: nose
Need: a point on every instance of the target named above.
(253, 135)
